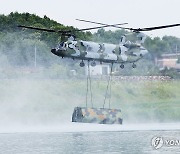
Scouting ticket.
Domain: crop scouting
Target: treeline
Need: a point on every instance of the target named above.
(17, 45)
(9, 23)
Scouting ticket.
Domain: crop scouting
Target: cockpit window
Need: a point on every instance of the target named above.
(61, 44)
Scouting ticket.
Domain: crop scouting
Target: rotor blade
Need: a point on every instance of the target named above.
(95, 28)
(114, 25)
(36, 28)
(84, 29)
(58, 31)
(90, 21)
(152, 28)
(65, 32)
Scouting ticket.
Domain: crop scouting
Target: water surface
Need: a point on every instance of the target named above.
(88, 138)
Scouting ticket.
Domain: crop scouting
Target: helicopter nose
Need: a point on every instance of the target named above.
(58, 52)
(53, 51)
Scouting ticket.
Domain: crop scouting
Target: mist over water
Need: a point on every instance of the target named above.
(46, 105)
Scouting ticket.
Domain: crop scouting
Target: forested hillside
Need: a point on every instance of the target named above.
(17, 46)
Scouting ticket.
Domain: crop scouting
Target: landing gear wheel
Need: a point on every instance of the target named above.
(82, 64)
(134, 65)
(93, 63)
(121, 66)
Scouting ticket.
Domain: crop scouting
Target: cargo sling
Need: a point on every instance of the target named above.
(108, 89)
(88, 87)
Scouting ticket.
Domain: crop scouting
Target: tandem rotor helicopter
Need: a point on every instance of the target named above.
(124, 52)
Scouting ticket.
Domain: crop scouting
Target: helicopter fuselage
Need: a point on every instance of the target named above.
(102, 52)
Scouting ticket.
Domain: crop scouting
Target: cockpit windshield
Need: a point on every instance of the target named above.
(61, 44)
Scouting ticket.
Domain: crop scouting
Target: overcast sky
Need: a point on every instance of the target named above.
(138, 13)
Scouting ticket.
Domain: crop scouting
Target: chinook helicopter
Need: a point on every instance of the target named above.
(124, 52)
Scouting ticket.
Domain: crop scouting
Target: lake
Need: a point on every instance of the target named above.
(74, 138)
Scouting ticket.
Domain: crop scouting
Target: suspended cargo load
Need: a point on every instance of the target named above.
(94, 115)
